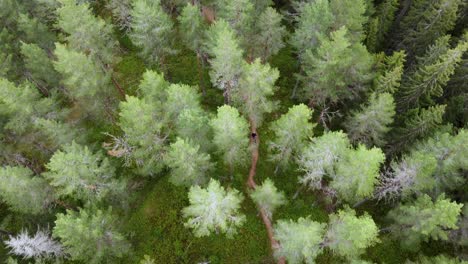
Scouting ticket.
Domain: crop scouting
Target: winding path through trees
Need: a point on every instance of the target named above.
(254, 143)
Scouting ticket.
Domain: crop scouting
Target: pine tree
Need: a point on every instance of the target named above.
(192, 28)
(300, 241)
(86, 33)
(370, 124)
(90, 235)
(213, 210)
(78, 173)
(181, 97)
(318, 159)
(313, 24)
(357, 173)
(349, 235)
(327, 72)
(256, 85)
(189, 166)
(430, 76)
(144, 136)
(194, 124)
(350, 14)
(413, 174)
(226, 58)
(34, 31)
(39, 246)
(151, 31)
(291, 132)
(425, 22)
(230, 136)
(121, 12)
(40, 68)
(267, 197)
(153, 89)
(380, 25)
(23, 192)
(424, 219)
(270, 34)
(240, 17)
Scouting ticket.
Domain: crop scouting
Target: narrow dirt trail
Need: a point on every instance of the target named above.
(254, 143)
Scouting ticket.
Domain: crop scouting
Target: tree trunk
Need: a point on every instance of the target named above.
(360, 202)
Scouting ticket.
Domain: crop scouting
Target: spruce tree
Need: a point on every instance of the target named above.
(213, 209)
(350, 14)
(189, 166)
(389, 78)
(151, 30)
(380, 25)
(291, 132)
(90, 235)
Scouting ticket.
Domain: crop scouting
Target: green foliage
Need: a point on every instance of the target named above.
(151, 30)
(350, 14)
(40, 68)
(300, 241)
(78, 173)
(188, 165)
(370, 124)
(357, 173)
(380, 25)
(194, 124)
(319, 158)
(256, 86)
(85, 32)
(439, 259)
(192, 27)
(90, 236)
(230, 135)
(24, 192)
(267, 197)
(349, 235)
(213, 210)
(423, 219)
(389, 80)
(181, 97)
(226, 57)
(144, 138)
(291, 132)
(327, 72)
(269, 36)
(240, 17)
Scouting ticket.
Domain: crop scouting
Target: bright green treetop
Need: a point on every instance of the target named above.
(267, 197)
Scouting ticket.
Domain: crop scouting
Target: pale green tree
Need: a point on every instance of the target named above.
(226, 58)
(300, 241)
(189, 166)
(370, 124)
(40, 69)
(349, 235)
(350, 14)
(34, 31)
(151, 31)
(78, 173)
(121, 12)
(256, 86)
(24, 192)
(192, 28)
(269, 36)
(231, 136)
(85, 32)
(357, 173)
(268, 197)
(291, 132)
(318, 158)
(213, 209)
(180, 97)
(90, 236)
(424, 219)
(194, 124)
(240, 17)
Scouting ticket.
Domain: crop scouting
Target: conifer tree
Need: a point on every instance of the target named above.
(144, 136)
(226, 58)
(240, 17)
(151, 31)
(349, 235)
(78, 173)
(192, 28)
(194, 124)
(319, 158)
(380, 25)
(424, 219)
(431, 75)
(86, 33)
(23, 192)
(327, 72)
(256, 85)
(121, 12)
(39, 66)
(180, 97)
(388, 80)
(230, 136)
(189, 166)
(153, 88)
(357, 173)
(291, 131)
(300, 241)
(34, 31)
(267, 197)
(90, 235)
(270, 34)
(213, 209)
(350, 14)
(39, 246)
(425, 22)
(370, 124)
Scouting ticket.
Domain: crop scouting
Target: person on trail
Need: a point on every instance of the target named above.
(254, 137)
